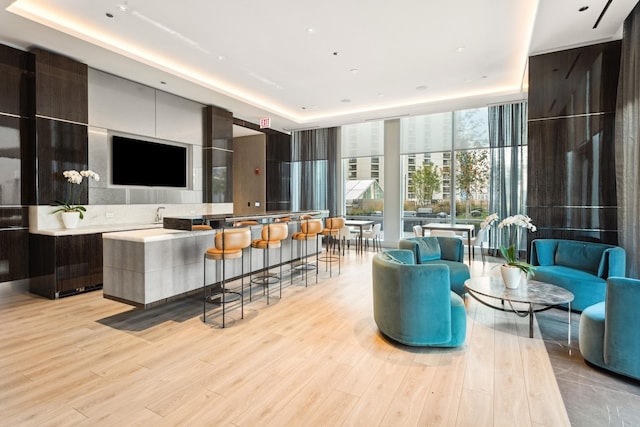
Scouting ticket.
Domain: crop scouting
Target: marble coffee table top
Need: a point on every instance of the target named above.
(529, 291)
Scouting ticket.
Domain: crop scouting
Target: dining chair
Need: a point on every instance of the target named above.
(374, 235)
(344, 238)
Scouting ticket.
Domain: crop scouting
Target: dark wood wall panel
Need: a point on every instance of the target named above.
(14, 247)
(61, 87)
(10, 153)
(15, 109)
(15, 81)
(60, 146)
(217, 156)
(575, 81)
(571, 187)
(278, 172)
(568, 159)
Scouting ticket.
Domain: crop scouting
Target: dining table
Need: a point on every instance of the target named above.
(360, 224)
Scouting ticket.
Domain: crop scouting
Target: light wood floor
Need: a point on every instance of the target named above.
(314, 358)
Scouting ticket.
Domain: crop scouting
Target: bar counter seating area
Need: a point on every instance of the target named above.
(149, 267)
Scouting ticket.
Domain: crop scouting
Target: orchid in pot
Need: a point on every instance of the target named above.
(513, 266)
(74, 180)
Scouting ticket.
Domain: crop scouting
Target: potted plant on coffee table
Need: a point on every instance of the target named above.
(513, 268)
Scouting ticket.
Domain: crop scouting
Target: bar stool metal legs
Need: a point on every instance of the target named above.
(271, 238)
(309, 229)
(331, 231)
(229, 244)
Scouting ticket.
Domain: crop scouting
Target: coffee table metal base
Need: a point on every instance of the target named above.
(532, 293)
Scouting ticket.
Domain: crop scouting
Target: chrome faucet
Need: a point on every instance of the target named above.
(159, 214)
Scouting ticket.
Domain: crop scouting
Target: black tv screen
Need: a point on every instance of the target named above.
(151, 164)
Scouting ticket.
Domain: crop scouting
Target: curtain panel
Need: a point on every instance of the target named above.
(508, 154)
(627, 142)
(314, 170)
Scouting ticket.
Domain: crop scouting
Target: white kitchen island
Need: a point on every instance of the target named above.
(148, 267)
(145, 268)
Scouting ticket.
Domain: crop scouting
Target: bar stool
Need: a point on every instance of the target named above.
(331, 231)
(200, 227)
(245, 223)
(271, 238)
(229, 244)
(309, 230)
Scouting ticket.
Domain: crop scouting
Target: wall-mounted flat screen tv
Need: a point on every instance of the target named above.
(146, 163)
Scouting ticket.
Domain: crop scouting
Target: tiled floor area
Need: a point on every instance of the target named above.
(593, 397)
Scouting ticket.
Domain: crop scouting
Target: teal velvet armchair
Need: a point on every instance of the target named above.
(609, 336)
(440, 250)
(413, 303)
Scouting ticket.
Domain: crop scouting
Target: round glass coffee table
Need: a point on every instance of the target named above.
(539, 296)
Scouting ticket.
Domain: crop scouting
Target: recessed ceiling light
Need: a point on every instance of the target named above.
(421, 87)
(460, 49)
(109, 15)
(163, 82)
(345, 101)
(583, 8)
(220, 58)
(310, 31)
(336, 53)
(354, 71)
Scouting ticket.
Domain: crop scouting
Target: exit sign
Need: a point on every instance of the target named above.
(265, 122)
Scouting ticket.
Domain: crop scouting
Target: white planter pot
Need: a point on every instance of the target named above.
(511, 276)
(70, 219)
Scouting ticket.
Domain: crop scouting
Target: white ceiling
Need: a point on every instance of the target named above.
(323, 63)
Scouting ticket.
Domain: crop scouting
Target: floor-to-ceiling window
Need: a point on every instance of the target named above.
(445, 160)
(454, 170)
(426, 159)
(363, 170)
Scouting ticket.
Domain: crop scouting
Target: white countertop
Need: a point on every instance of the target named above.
(154, 234)
(93, 229)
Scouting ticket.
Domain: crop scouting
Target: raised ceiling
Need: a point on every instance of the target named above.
(311, 64)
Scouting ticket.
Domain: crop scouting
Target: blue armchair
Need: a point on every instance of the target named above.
(609, 336)
(413, 303)
(440, 250)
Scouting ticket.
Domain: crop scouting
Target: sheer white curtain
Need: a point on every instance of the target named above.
(628, 143)
(508, 140)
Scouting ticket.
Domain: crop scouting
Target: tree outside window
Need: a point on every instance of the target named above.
(472, 175)
(426, 181)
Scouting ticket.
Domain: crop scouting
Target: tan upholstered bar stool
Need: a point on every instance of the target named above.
(271, 238)
(332, 226)
(309, 230)
(200, 227)
(229, 244)
(245, 223)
